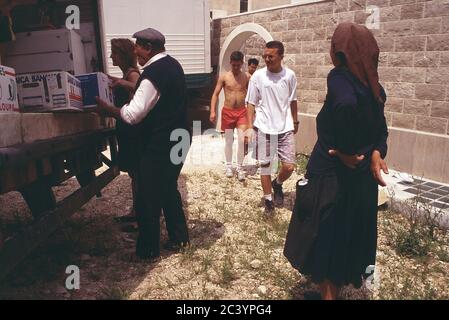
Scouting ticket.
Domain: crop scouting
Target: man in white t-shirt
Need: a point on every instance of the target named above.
(273, 118)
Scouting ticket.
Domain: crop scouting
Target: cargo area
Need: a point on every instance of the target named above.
(55, 59)
(43, 41)
(49, 52)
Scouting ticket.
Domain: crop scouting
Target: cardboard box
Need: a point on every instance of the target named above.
(8, 90)
(95, 85)
(46, 50)
(49, 92)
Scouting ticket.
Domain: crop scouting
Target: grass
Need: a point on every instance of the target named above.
(114, 293)
(227, 271)
(301, 163)
(411, 244)
(88, 236)
(420, 233)
(414, 250)
(414, 261)
(206, 263)
(188, 253)
(235, 251)
(442, 253)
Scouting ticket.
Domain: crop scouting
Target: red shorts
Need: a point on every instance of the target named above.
(233, 118)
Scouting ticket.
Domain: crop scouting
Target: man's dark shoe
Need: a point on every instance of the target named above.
(148, 259)
(175, 246)
(269, 209)
(278, 193)
(144, 252)
(141, 258)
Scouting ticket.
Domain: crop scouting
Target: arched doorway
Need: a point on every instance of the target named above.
(234, 42)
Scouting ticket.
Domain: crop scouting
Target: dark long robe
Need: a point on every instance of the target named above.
(333, 231)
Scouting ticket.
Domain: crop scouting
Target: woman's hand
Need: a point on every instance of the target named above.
(349, 161)
(118, 83)
(378, 164)
(112, 78)
(102, 109)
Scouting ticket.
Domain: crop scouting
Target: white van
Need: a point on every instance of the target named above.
(47, 45)
(185, 24)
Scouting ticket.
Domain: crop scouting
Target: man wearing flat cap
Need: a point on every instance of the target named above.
(158, 108)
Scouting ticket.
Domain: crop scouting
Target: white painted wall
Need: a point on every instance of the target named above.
(185, 24)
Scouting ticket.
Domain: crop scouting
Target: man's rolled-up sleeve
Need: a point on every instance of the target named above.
(143, 102)
(293, 88)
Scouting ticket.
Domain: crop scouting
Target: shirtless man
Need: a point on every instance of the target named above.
(235, 84)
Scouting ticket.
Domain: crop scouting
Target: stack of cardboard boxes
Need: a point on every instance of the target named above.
(50, 74)
(52, 91)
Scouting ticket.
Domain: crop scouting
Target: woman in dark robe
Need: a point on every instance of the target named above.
(123, 56)
(332, 236)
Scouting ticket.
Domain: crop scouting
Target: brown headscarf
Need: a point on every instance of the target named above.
(361, 52)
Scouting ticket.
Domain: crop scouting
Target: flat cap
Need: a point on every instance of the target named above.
(150, 35)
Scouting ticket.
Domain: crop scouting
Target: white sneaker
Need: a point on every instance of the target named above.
(229, 173)
(241, 175)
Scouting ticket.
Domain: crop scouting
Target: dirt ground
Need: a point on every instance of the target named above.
(236, 252)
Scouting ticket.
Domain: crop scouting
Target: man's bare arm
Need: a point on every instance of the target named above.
(294, 109)
(213, 103)
(251, 115)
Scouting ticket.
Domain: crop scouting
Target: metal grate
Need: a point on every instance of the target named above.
(432, 193)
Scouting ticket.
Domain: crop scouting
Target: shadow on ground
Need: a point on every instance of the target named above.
(92, 241)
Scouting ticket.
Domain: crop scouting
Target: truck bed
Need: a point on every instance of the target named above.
(20, 128)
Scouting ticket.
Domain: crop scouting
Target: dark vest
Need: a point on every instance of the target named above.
(170, 112)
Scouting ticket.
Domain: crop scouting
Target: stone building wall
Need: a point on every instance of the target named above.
(413, 37)
(253, 49)
(414, 63)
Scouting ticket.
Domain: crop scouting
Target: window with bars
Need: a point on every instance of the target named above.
(243, 6)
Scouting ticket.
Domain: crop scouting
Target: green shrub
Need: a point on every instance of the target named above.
(411, 243)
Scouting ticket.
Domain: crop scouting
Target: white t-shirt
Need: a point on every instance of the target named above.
(271, 94)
